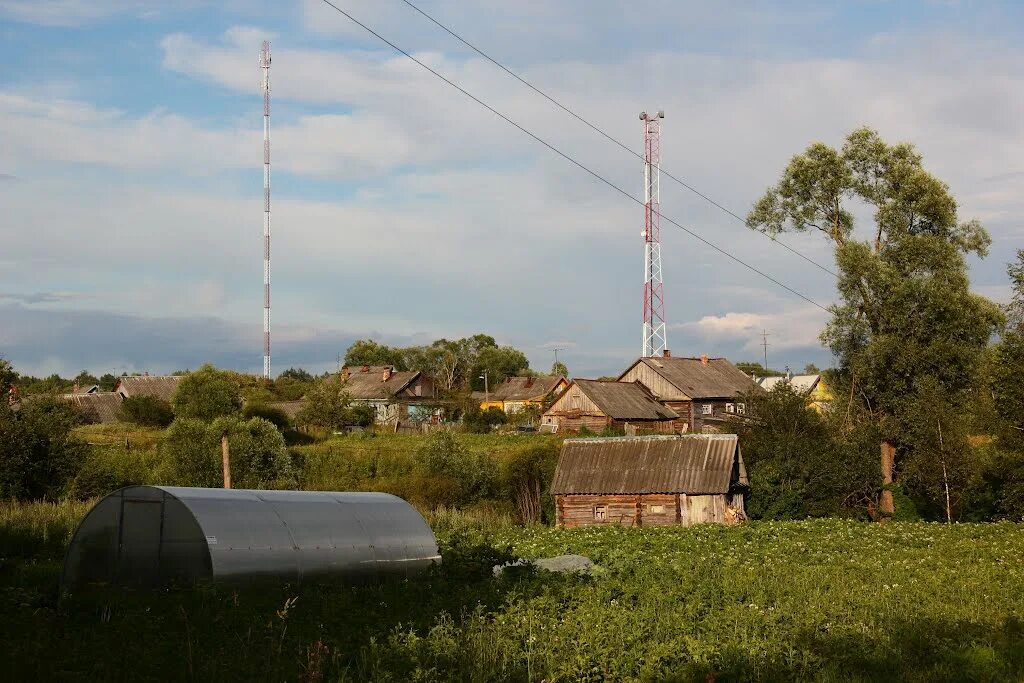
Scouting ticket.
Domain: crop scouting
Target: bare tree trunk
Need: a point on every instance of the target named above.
(885, 502)
(226, 460)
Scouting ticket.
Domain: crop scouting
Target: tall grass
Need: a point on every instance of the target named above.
(39, 530)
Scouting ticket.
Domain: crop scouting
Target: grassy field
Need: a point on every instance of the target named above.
(823, 600)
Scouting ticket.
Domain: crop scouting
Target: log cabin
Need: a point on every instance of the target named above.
(650, 481)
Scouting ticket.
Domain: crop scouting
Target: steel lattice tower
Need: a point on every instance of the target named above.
(655, 336)
(265, 86)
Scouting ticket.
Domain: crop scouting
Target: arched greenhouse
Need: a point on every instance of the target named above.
(159, 535)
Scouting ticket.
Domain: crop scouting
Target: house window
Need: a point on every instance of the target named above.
(600, 512)
(705, 409)
(575, 401)
(741, 408)
(656, 509)
(730, 408)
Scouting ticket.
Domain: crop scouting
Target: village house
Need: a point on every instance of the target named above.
(705, 392)
(516, 394)
(650, 481)
(812, 387)
(599, 404)
(394, 395)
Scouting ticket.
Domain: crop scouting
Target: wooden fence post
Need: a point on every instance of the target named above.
(226, 459)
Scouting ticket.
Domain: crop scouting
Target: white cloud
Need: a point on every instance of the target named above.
(789, 328)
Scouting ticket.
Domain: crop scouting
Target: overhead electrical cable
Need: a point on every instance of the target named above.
(571, 159)
(608, 136)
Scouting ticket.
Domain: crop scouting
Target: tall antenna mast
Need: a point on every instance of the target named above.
(265, 86)
(655, 336)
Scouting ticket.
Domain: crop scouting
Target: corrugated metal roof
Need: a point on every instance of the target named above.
(803, 384)
(691, 464)
(624, 401)
(718, 379)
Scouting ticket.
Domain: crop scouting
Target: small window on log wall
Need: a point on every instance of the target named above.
(705, 409)
(657, 509)
(600, 511)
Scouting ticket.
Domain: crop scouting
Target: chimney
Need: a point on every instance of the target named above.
(345, 374)
(666, 354)
(703, 359)
(529, 382)
(387, 373)
(366, 368)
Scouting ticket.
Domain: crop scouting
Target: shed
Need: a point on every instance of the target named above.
(102, 407)
(159, 535)
(597, 404)
(157, 386)
(652, 480)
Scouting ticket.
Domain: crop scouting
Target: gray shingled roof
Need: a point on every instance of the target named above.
(366, 382)
(149, 385)
(525, 388)
(100, 407)
(718, 379)
(691, 464)
(624, 401)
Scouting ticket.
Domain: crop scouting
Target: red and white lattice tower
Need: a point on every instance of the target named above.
(265, 86)
(655, 336)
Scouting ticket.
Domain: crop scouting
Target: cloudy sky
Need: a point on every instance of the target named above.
(131, 170)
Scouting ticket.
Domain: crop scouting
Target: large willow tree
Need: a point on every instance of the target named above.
(906, 321)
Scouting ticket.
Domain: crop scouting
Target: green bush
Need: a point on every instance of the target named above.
(147, 411)
(191, 454)
(483, 421)
(39, 454)
(444, 456)
(206, 394)
(276, 416)
(328, 406)
(258, 457)
(526, 481)
(108, 468)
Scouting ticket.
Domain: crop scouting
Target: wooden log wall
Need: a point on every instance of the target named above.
(661, 509)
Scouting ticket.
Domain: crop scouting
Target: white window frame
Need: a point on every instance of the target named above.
(730, 408)
(741, 408)
(600, 513)
(706, 409)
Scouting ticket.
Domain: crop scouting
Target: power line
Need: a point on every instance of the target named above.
(571, 159)
(608, 136)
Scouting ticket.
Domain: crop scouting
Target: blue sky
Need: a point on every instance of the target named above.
(131, 176)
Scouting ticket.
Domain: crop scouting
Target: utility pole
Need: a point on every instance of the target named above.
(765, 344)
(655, 339)
(265, 86)
(556, 357)
(487, 393)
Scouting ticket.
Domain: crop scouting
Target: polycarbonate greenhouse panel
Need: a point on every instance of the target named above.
(157, 535)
